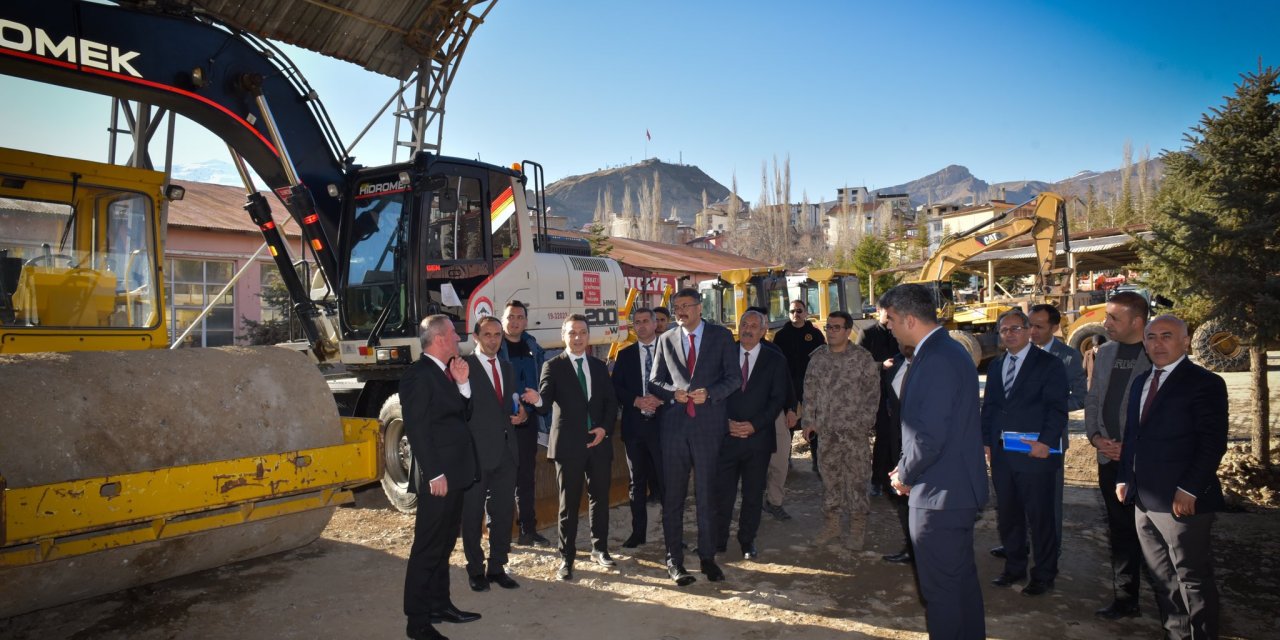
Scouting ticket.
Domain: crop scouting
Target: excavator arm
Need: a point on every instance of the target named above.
(1043, 223)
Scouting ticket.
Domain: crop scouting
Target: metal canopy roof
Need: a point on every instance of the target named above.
(388, 37)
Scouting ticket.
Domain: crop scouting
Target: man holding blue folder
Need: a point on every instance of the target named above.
(1026, 394)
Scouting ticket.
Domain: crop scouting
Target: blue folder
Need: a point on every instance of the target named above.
(1013, 441)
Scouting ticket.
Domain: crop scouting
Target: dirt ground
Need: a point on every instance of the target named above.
(349, 583)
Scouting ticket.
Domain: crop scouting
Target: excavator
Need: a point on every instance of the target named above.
(123, 462)
(727, 297)
(972, 326)
(824, 289)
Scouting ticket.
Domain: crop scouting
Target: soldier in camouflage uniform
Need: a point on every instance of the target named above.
(842, 387)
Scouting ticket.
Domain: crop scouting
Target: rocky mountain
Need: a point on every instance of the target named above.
(956, 185)
(682, 185)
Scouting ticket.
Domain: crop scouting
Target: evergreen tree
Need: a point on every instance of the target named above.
(871, 255)
(1216, 248)
(599, 239)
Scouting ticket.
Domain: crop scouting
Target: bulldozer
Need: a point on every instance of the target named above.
(123, 462)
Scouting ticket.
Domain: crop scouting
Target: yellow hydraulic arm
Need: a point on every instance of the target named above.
(1042, 224)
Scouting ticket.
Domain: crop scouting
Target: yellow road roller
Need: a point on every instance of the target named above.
(123, 462)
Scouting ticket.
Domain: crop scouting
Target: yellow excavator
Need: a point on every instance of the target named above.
(728, 296)
(1045, 220)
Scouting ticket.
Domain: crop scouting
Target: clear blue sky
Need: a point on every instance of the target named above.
(856, 93)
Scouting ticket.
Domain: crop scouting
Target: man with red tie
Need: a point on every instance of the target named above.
(1169, 472)
(695, 371)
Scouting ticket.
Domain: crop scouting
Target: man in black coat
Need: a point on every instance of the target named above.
(1174, 442)
(495, 410)
(641, 412)
(889, 435)
(435, 393)
(744, 455)
(1026, 392)
(576, 390)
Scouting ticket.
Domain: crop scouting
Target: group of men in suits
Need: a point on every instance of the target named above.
(694, 401)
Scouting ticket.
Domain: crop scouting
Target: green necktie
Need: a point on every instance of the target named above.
(582, 382)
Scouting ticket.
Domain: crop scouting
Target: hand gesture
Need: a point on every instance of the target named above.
(460, 371)
(699, 396)
(792, 419)
(897, 484)
(520, 416)
(439, 487)
(682, 396)
(599, 437)
(530, 396)
(1038, 449)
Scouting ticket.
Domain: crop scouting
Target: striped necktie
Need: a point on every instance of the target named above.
(1008, 374)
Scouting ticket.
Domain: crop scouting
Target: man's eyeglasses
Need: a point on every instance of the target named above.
(1011, 330)
(691, 305)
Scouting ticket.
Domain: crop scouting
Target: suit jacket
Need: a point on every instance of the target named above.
(1077, 381)
(562, 397)
(879, 340)
(1104, 358)
(628, 386)
(1037, 403)
(763, 400)
(942, 458)
(490, 422)
(888, 424)
(435, 422)
(1181, 442)
(717, 370)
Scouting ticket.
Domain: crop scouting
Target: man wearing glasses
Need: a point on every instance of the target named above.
(1026, 393)
(797, 340)
(844, 393)
(695, 370)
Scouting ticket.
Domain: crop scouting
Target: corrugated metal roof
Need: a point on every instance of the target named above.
(388, 37)
(1090, 245)
(672, 259)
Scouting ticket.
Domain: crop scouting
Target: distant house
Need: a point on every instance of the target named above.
(857, 214)
(210, 239)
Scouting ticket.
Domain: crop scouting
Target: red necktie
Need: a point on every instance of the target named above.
(693, 359)
(497, 378)
(1151, 394)
(746, 368)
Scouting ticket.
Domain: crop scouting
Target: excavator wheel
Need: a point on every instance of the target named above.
(396, 457)
(1087, 337)
(970, 344)
(79, 415)
(1218, 348)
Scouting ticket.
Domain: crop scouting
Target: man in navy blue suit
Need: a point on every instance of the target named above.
(942, 468)
(1026, 392)
(696, 370)
(641, 412)
(1177, 434)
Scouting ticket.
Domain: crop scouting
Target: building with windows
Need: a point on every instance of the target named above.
(210, 239)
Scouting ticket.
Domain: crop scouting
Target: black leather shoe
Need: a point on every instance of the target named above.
(1037, 588)
(682, 578)
(478, 583)
(1118, 609)
(1007, 579)
(427, 632)
(634, 541)
(565, 572)
(603, 559)
(750, 552)
(502, 580)
(902, 557)
(712, 570)
(454, 615)
(999, 552)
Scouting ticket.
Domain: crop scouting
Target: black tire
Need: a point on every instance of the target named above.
(970, 344)
(396, 457)
(1219, 348)
(1087, 337)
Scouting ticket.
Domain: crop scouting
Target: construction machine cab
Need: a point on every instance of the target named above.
(79, 243)
(726, 298)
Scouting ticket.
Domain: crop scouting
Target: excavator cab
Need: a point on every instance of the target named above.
(79, 243)
(726, 298)
(824, 290)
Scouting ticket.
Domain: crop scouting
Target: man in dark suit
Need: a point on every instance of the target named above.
(641, 411)
(1177, 434)
(696, 370)
(1026, 392)
(889, 435)
(495, 411)
(435, 393)
(942, 467)
(752, 410)
(576, 389)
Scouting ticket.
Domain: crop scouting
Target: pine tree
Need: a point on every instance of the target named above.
(1216, 248)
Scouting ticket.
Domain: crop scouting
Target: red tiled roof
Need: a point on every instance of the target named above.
(672, 258)
(221, 208)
